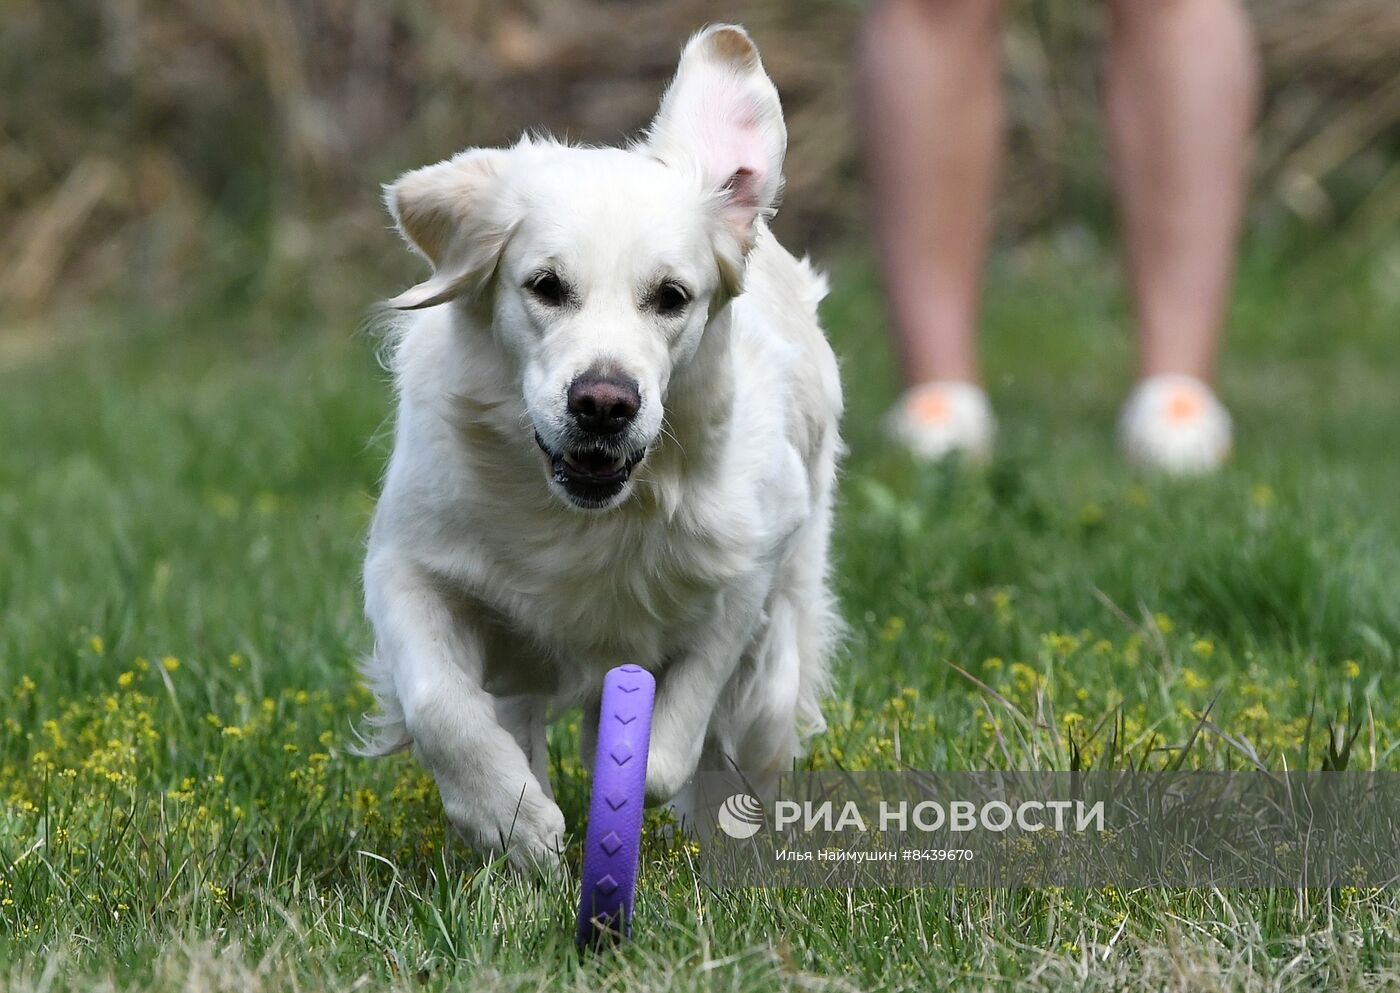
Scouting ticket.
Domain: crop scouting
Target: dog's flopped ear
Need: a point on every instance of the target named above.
(721, 114)
(449, 213)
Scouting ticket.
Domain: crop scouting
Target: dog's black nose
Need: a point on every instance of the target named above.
(602, 402)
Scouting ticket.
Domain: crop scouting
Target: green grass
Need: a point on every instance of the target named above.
(181, 518)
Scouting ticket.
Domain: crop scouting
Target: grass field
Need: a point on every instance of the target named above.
(182, 508)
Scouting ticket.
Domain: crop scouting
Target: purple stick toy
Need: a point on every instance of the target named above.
(613, 842)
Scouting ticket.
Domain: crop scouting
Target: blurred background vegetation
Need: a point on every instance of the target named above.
(226, 155)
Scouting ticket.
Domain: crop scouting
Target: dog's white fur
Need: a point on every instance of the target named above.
(495, 601)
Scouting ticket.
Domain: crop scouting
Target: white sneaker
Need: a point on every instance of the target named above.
(1175, 424)
(934, 420)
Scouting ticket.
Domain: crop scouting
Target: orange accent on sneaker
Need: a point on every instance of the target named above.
(929, 407)
(1183, 406)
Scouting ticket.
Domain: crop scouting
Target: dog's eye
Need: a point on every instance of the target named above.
(670, 298)
(547, 288)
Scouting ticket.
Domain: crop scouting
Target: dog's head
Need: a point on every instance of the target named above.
(598, 270)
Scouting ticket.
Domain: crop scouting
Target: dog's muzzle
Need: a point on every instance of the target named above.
(590, 476)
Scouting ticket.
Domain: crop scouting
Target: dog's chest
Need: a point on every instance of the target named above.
(622, 590)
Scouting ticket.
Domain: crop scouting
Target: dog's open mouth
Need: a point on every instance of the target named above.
(590, 476)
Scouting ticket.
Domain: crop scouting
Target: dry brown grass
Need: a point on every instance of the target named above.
(167, 148)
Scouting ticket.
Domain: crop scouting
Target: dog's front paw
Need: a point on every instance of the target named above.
(490, 795)
(669, 767)
(514, 818)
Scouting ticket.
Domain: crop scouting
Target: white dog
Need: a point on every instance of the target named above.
(616, 442)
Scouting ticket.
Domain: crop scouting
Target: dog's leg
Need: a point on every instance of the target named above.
(694, 804)
(523, 717)
(687, 691)
(753, 731)
(775, 704)
(434, 654)
(762, 703)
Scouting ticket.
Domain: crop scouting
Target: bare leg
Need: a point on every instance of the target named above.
(1181, 85)
(932, 120)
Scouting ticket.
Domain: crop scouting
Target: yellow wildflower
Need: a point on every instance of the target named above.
(894, 627)
(1255, 712)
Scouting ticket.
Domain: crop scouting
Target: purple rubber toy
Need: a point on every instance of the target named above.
(613, 843)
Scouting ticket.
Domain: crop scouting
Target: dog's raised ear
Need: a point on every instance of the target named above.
(448, 214)
(721, 114)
